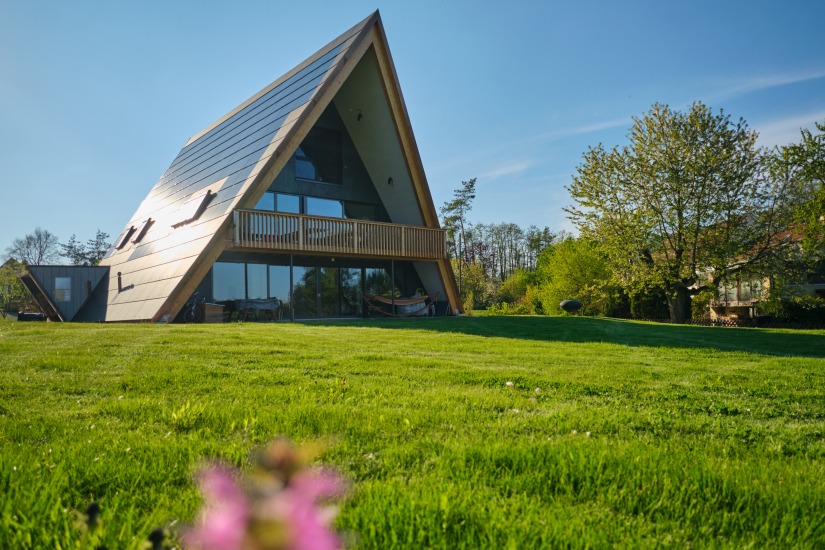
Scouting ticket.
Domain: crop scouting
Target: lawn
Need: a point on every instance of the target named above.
(640, 435)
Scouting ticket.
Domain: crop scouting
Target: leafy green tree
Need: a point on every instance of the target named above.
(804, 163)
(683, 206)
(477, 288)
(577, 269)
(12, 292)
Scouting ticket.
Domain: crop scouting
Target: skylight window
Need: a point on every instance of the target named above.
(193, 209)
(124, 239)
(141, 232)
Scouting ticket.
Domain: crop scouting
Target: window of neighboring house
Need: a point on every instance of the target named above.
(63, 289)
(319, 156)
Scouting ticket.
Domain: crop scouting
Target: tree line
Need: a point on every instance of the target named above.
(689, 203)
(42, 247)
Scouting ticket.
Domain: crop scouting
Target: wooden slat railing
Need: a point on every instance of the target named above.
(315, 234)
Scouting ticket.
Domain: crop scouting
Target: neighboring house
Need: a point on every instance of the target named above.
(310, 194)
(739, 299)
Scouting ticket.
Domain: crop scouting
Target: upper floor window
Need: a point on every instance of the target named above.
(319, 156)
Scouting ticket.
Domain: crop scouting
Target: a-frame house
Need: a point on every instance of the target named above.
(311, 193)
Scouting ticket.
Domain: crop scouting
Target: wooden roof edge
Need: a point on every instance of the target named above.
(450, 285)
(343, 37)
(409, 145)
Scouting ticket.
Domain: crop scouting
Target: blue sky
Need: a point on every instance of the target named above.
(97, 98)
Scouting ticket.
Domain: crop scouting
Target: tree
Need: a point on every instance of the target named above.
(455, 214)
(74, 251)
(683, 206)
(37, 248)
(12, 291)
(804, 162)
(97, 248)
(577, 269)
(86, 254)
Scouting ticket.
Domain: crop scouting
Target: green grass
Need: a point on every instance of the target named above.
(700, 437)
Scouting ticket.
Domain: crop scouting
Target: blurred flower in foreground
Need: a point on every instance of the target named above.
(281, 504)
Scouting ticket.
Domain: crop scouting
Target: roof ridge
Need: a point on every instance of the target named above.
(343, 37)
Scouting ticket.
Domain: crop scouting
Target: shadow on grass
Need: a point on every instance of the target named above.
(615, 331)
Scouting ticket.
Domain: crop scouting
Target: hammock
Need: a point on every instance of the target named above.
(423, 302)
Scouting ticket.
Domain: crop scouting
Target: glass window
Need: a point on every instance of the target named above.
(360, 211)
(144, 227)
(324, 207)
(256, 281)
(279, 283)
(193, 208)
(379, 282)
(267, 202)
(350, 291)
(228, 281)
(319, 156)
(328, 291)
(288, 203)
(304, 292)
(63, 289)
(124, 238)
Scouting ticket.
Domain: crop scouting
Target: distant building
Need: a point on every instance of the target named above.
(740, 298)
(309, 195)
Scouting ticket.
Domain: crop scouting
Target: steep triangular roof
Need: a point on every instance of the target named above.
(182, 226)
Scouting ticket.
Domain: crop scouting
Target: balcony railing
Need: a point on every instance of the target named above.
(314, 234)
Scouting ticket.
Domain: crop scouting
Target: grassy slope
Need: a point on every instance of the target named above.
(698, 436)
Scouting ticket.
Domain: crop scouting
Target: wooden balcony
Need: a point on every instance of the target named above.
(298, 233)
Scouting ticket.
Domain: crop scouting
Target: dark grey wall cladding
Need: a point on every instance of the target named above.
(68, 286)
(356, 186)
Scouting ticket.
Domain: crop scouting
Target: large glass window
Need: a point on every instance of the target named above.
(328, 291)
(267, 202)
(379, 282)
(319, 156)
(360, 211)
(256, 281)
(304, 292)
(324, 207)
(228, 281)
(63, 289)
(350, 291)
(279, 283)
(288, 203)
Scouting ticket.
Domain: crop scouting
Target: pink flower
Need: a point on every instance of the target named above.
(300, 504)
(223, 519)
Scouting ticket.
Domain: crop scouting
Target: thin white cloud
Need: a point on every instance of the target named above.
(553, 135)
(505, 170)
(787, 130)
(587, 128)
(747, 85)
